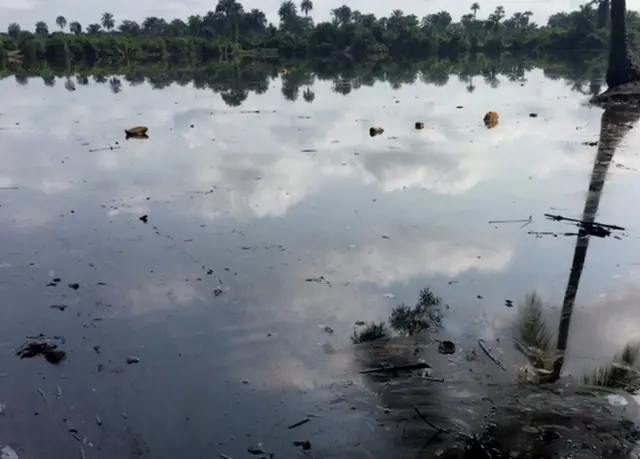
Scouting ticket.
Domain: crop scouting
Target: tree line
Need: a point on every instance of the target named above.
(230, 30)
(234, 80)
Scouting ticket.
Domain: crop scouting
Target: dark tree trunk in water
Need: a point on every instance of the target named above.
(616, 123)
(621, 69)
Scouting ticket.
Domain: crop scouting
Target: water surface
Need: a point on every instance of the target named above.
(247, 207)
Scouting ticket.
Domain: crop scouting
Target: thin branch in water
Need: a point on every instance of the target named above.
(558, 218)
(525, 220)
(485, 349)
(429, 423)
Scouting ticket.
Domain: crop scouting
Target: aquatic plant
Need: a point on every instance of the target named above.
(371, 332)
(410, 321)
(623, 372)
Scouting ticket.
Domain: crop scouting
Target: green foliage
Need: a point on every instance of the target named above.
(230, 30)
(413, 320)
(371, 332)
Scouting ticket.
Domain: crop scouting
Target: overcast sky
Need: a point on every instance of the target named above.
(27, 12)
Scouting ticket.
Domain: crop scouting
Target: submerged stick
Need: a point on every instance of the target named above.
(525, 220)
(414, 366)
(44, 397)
(429, 423)
(558, 218)
(485, 349)
(104, 149)
(299, 423)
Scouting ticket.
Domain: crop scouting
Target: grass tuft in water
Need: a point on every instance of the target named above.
(623, 372)
(531, 327)
(371, 332)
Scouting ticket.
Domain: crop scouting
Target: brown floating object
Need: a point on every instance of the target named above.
(374, 131)
(419, 125)
(491, 119)
(139, 132)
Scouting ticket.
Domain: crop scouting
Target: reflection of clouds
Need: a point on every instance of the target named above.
(255, 160)
(401, 260)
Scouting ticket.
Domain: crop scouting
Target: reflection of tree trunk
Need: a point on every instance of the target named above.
(616, 122)
(621, 68)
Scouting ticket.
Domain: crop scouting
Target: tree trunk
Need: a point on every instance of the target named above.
(616, 122)
(621, 68)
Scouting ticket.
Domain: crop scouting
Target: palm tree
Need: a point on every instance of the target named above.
(621, 68)
(14, 30)
(107, 21)
(131, 28)
(475, 7)
(232, 12)
(256, 20)
(306, 6)
(61, 21)
(75, 28)
(42, 28)
(288, 13)
(93, 29)
(342, 15)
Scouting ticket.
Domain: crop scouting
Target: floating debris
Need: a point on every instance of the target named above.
(109, 148)
(446, 347)
(74, 286)
(48, 350)
(299, 423)
(98, 420)
(318, 280)
(258, 450)
(217, 291)
(60, 307)
(591, 144)
(374, 131)
(3, 408)
(133, 359)
(508, 303)
(144, 219)
(387, 369)
(533, 115)
(137, 132)
(491, 119)
(526, 221)
(305, 445)
(327, 328)
(419, 125)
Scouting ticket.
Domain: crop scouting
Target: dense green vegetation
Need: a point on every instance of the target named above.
(354, 35)
(234, 80)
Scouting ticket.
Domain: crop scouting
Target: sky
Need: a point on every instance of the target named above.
(27, 12)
